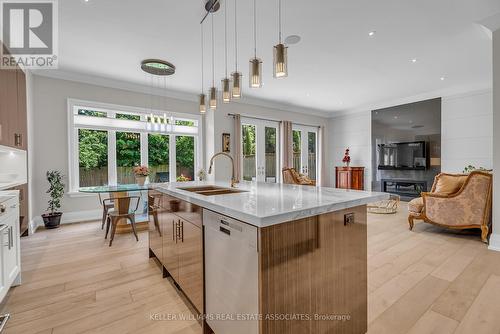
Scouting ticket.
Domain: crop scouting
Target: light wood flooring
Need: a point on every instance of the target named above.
(426, 281)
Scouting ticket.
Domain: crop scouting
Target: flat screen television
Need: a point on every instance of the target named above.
(410, 155)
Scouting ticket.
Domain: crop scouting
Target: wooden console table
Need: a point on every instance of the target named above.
(350, 178)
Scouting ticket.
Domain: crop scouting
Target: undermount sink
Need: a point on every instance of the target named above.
(212, 190)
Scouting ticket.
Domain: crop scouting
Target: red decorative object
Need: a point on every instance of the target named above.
(347, 158)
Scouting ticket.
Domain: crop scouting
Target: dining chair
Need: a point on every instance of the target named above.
(121, 211)
(153, 211)
(107, 205)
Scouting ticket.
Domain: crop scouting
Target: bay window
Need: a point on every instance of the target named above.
(108, 141)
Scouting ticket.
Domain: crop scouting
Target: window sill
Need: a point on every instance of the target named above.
(77, 194)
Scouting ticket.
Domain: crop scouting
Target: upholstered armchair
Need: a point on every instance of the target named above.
(291, 176)
(456, 201)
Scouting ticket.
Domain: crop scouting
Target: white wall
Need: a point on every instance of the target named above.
(467, 131)
(495, 237)
(353, 132)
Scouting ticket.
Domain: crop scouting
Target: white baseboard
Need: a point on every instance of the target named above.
(68, 218)
(494, 242)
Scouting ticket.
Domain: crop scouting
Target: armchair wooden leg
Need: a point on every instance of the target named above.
(484, 233)
(410, 222)
(132, 222)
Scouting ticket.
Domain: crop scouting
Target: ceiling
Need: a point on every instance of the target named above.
(337, 66)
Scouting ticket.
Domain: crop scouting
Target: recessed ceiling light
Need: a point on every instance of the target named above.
(395, 117)
(292, 39)
(442, 78)
(414, 60)
(372, 33)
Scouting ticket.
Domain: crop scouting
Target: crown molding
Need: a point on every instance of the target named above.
(492, 23)
(169, 93)
(444, 93)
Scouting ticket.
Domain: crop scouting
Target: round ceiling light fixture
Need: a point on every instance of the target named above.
(157, 67)
(292, 39)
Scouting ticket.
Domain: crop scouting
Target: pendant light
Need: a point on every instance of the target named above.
(280, 52)
(202, 97)
(236, 89)
(255, 63)
(213, 89)
(226, 91)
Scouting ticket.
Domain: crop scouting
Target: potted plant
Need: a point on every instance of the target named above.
(56, 192)
(141, 173)
(347, 159)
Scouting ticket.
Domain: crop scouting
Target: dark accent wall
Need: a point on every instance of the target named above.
(419, 121)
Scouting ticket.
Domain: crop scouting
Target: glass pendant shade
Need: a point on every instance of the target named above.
(255, 73)
(236, 89)
(280, 61)
(226, 90)
(203, 105)
(213, 98)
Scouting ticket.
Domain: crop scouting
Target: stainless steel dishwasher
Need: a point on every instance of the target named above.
(231, 275)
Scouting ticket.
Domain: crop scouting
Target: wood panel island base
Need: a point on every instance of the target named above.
(264, 264)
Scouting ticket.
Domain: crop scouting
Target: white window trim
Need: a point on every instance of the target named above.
(111, 109)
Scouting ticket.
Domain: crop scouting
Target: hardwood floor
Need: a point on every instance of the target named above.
(426, 281)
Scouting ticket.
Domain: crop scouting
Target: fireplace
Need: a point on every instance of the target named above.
(407, 189)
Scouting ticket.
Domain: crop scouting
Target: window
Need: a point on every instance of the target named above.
(93, 157)
(107, 141)
(128, 155)
(159, 157)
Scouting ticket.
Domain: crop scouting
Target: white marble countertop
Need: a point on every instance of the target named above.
(266, 204)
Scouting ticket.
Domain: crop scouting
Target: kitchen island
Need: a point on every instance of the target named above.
(265, 258)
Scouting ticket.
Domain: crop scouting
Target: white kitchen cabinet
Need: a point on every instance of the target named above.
(10, 254)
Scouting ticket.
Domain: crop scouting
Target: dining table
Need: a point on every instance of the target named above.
(125, 190)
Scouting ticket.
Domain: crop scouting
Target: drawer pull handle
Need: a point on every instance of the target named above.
(224, 230)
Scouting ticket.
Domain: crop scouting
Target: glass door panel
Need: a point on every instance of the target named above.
(184, 158)
(158, 157)
(297, 151)
(128, 155)
(271, 158)
(248, 150)
(311, 155)
(305, 150)
(260, 150)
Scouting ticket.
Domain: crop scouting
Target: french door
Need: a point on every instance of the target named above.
(260, 150)
(305, 150)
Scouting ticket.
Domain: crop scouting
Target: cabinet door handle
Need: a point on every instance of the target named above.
(11, 237)
(173, 231)
(7, 233)
(18, 139)
(182, 231)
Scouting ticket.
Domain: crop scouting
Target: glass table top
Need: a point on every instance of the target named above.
(114, 189)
